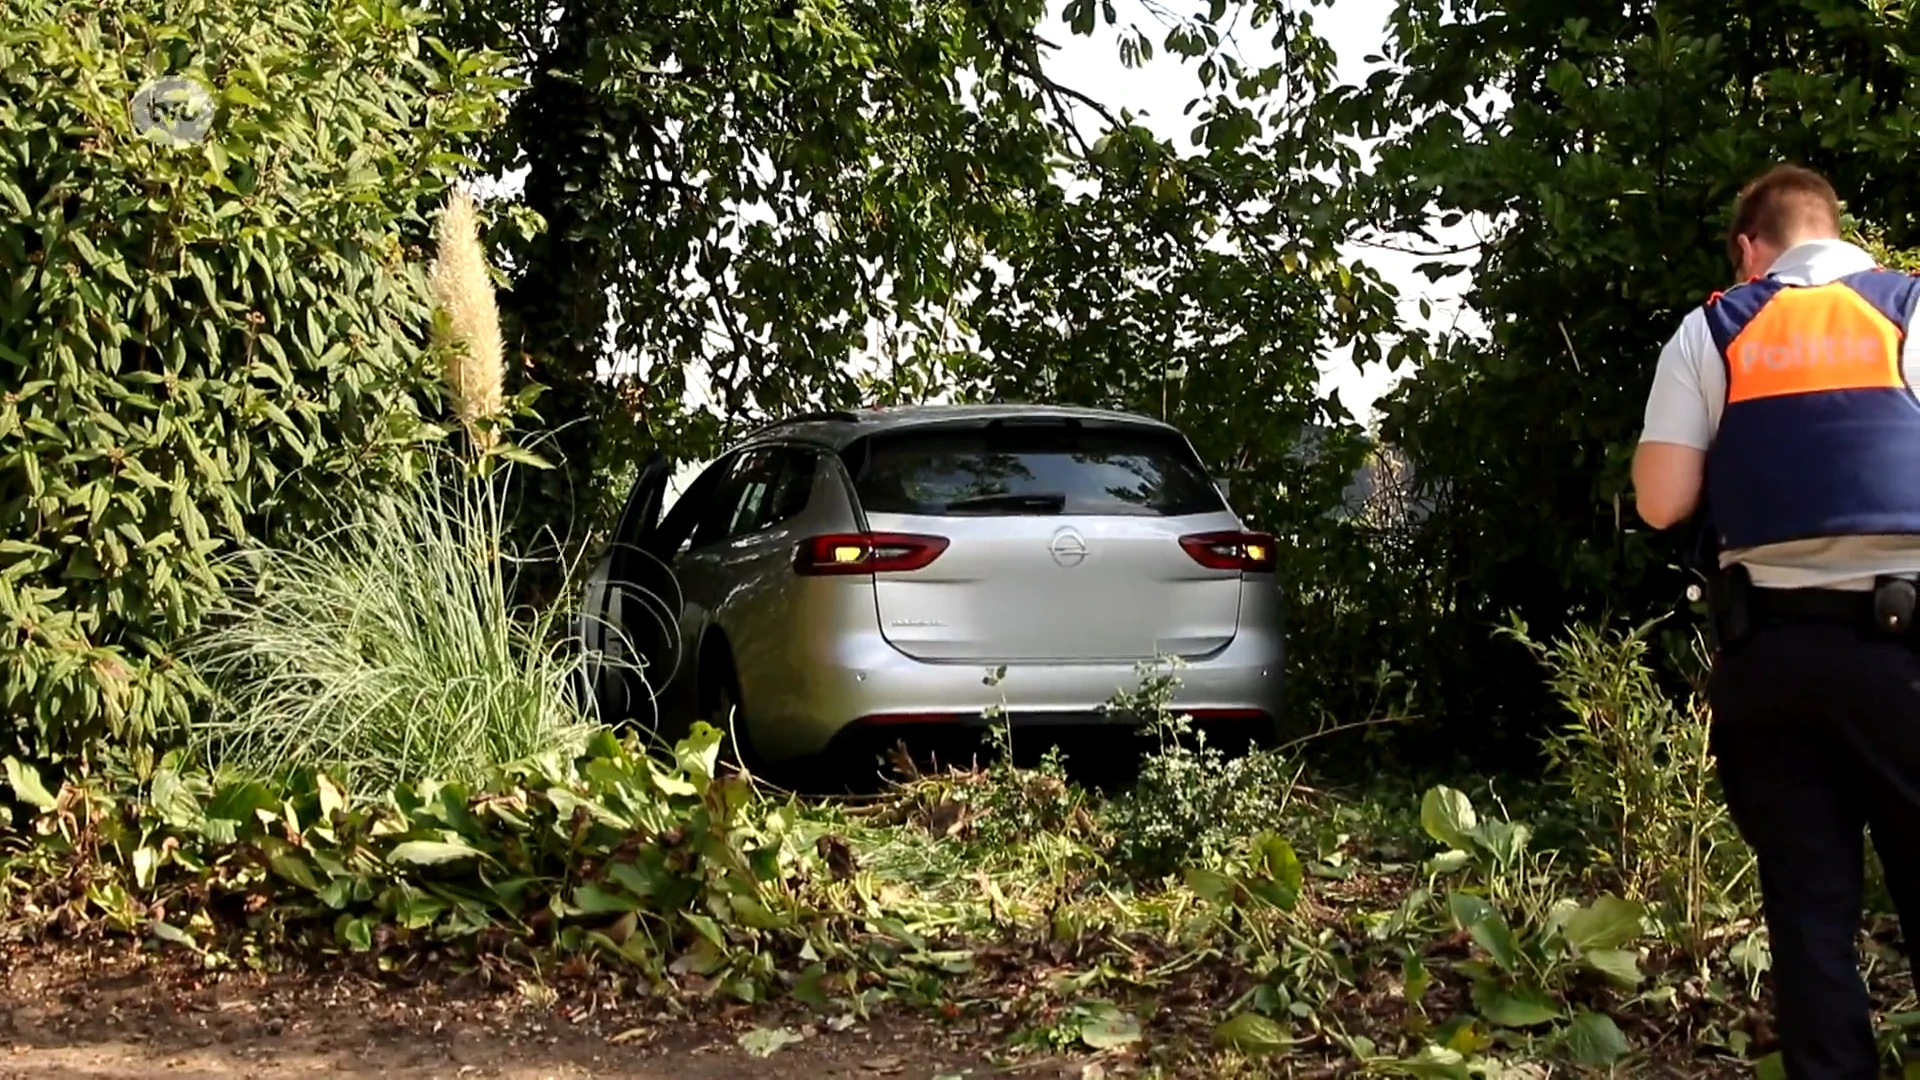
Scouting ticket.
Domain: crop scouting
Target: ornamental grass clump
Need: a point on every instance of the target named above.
(386, 650)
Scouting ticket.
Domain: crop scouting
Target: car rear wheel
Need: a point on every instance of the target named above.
(725, 709)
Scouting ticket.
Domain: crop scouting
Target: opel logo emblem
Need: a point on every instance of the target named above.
(1068, 548)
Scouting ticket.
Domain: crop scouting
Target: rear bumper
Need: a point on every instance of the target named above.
(860, 684)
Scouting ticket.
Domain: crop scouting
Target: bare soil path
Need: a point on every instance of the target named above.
(78, 1013)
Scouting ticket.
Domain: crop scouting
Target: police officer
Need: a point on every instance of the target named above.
(1786, 405)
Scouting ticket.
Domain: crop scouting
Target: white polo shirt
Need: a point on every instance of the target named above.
(1689, 391)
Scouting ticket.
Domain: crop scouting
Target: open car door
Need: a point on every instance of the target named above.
(629, 622)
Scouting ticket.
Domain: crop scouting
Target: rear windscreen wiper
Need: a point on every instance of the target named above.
(1032, 504)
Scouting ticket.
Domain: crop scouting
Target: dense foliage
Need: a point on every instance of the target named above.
(1433, 934)
(197, 340)
(221, 361)
(1601, 145)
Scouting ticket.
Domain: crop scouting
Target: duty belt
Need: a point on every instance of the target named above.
(1887, 608)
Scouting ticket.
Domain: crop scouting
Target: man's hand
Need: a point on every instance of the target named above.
(1666, 482)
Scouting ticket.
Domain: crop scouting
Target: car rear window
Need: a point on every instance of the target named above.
(1041, 469)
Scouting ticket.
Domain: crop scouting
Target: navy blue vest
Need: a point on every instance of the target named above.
(1820, 436)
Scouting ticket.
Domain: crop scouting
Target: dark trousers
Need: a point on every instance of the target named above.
(1816, 733)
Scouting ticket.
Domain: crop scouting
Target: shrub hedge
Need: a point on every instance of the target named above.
(200, 337)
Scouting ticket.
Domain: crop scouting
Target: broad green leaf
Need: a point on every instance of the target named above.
(1620, 966)
(431, 852)
(292, 866)
(1253, 1035)
(1109, 1028)
(594, 900)
(26, 785)
(1608, 923)
(709, 930)
(356, 934)
(146, 862)
(1513, 1006)
(1435, 1063)
(699, 753)
(765, 1042)
(1487, 927)
(1447, 816)
(1278, 874)
(1210, 885)
(171, 934)
(1594, 1039)
(332, 800)
(1414, 978)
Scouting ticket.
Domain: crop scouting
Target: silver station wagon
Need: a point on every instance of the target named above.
(883, 573)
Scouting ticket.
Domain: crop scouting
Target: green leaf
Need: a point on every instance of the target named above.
(27, 787)
(1513, 1006)
(1608, 923)
(519, 455)
(431, 852)
(1253, 1035)
(293, 867)
(1109, 1028)
(1448, 817)
(144, 865)
(1210, 885)
(1487, 927)
(764, 1042)
(1771, 1067)
(1435, 1063)
(1594, 1039)
(699, 753)
(1279, 876)
(1620, 966)
(1078, 16)
(357, 934)
(1414, 977)
(594, 900)
(171, 934)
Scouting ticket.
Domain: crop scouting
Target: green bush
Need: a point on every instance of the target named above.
(1191, 803)
(199, 338)
(387, 650)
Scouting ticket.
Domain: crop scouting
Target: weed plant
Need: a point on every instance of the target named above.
(1638, 775)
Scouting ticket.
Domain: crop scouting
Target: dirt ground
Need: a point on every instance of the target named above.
(109, 1014)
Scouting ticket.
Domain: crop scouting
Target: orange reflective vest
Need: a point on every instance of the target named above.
(1820, 436)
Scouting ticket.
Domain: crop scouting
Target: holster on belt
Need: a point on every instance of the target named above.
(1726, 590)
(1729, 606)
(1894, 600)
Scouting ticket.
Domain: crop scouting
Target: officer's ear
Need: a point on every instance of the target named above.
(1740, 250)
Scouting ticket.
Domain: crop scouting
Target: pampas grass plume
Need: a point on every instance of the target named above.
(475, 360)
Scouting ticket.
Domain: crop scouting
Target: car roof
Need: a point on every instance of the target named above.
(838, 429)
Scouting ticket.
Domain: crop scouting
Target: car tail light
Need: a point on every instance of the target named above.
(867, 553)
(1250, 553)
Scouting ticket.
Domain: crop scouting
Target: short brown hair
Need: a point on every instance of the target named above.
(1784, 204)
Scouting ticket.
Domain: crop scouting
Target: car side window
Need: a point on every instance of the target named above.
(764, 487)
(795, 488)
(686, 514)
(716, 522)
